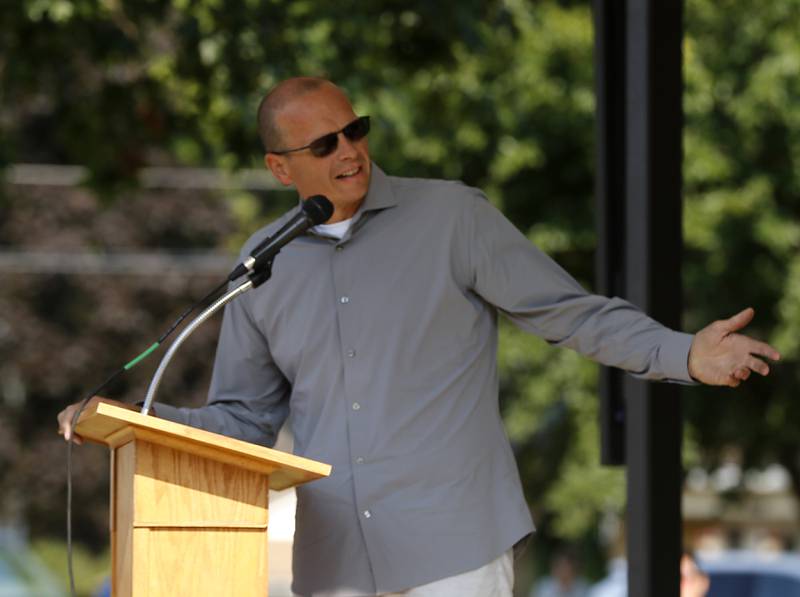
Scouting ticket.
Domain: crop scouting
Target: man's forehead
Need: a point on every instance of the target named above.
(320, 108)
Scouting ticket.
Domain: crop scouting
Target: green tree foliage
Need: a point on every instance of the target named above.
(742, 233)
(498, 93)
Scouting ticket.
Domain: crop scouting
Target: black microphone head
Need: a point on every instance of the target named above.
(318, 208)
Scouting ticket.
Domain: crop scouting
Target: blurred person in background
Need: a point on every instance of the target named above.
(694, 582)
(564, 579)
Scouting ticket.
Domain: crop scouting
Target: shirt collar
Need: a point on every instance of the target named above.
(380, 194)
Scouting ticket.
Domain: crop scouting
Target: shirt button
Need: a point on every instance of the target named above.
(356, 406)
(367, 514)
(359, 460)
(344, 300)
(351, 353)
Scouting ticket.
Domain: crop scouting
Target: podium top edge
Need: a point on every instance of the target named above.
(98, 424)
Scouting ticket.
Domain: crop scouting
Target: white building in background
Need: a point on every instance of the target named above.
(280, 530)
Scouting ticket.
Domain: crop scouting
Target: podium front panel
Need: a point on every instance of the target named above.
(186, 525)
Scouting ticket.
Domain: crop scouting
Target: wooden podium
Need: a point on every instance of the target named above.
(189, 508)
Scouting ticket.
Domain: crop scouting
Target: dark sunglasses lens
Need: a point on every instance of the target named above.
(324, 145)
(357, 129)
(354, 131)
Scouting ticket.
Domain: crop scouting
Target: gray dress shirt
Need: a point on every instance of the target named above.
(383, 346)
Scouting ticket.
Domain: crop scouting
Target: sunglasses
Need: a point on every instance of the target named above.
(327, 144)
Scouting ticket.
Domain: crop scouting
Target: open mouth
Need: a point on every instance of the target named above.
(350, 173)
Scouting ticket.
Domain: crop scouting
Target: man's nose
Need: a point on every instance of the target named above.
(346, 148)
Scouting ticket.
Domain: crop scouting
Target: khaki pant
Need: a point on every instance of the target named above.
(495, 579)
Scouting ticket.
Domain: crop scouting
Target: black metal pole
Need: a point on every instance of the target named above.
(609, 60)
(654, 120)
(638, 189)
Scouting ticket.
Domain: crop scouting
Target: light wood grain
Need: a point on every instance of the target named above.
(100, 423)
(122, 500)
(184, 525)
(212, 562)
(176, 488)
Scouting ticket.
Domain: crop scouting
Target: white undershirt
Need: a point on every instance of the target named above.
(337, 230)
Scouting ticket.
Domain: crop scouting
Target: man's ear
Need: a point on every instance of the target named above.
(277, 165)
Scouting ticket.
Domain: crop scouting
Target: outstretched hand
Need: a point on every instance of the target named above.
(721, 357)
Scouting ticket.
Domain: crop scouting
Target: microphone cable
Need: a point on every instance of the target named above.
(129, 365)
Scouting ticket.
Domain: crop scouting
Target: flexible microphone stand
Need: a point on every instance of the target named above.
(256, 279)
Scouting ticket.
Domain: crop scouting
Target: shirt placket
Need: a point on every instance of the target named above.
(356, 401)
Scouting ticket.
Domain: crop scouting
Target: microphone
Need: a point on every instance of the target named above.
(314, 210)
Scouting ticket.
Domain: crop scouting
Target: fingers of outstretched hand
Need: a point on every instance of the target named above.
(742, 372)
(757, 365)
(734, 378)
(738, 321)
(762, 349)
(751, 352)
(732, 382)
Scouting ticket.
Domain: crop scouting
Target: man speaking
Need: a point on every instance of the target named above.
(378, 332)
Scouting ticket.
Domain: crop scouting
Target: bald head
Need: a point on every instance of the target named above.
(278, 98)
(293, 116)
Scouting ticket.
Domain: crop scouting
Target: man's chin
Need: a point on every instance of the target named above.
(352, 193)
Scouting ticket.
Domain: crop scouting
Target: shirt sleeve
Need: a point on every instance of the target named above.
(249, 396)
(538, 296)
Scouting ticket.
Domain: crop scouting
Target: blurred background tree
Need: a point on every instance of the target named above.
(742, 231)
(498, 93)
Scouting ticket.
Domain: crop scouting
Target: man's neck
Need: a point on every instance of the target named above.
(344, 212)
